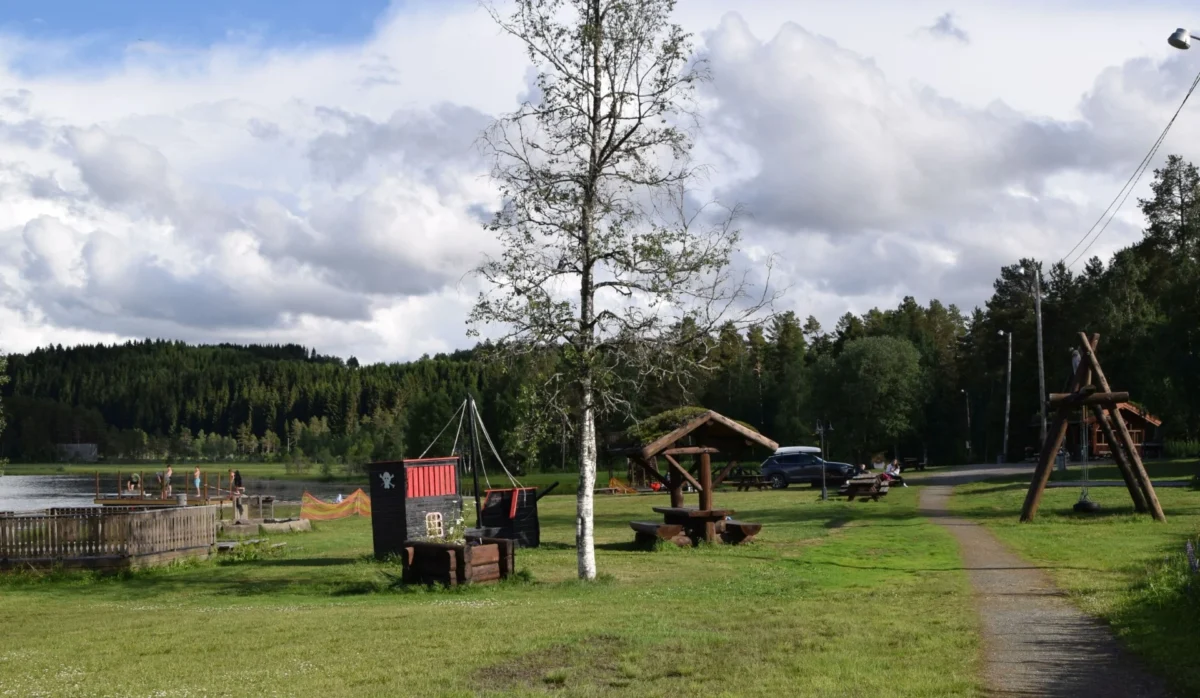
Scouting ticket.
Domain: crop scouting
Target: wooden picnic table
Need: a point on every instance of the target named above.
(745, 482)
(699, 523)
(865, 486)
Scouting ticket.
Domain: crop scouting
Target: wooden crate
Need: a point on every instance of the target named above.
(478, 561)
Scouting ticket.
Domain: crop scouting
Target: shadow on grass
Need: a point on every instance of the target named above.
(952, 568)
(308, 562)
(625, 547)
(1008, 487)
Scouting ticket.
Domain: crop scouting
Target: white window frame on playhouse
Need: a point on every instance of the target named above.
(434, 525)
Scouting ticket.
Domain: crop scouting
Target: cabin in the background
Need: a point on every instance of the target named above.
(1143, 428)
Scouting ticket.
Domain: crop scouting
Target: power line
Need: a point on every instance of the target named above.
(1119, 200)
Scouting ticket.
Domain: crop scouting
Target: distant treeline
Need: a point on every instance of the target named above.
(888, 380)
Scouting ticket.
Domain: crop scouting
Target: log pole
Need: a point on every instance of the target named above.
(706, 496)
(1118, 453)
(1135, 459)
(1050, 447)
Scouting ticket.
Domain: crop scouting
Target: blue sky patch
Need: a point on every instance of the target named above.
(98, 31)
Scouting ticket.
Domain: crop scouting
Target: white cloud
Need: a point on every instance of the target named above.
(333, 196)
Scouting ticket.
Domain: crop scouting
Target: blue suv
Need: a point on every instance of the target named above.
(783, 469)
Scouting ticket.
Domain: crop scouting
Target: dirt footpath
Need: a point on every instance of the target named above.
(1036, 643)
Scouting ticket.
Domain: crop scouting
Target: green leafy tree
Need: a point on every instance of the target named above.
(873, 390)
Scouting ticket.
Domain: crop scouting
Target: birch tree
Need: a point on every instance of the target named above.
(606, 257)
(3, 382)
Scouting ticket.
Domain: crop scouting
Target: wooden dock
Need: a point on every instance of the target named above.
(210, 495)
(105, 537)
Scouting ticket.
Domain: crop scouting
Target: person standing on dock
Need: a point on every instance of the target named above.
(167, 484)
(196, 480)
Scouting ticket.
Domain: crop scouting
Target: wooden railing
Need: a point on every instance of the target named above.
(93, 532)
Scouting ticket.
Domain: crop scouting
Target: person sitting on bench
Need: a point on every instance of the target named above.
(892, 473)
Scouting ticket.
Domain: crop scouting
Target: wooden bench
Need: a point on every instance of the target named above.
(734, 532)
(864, 486)
(649, 532)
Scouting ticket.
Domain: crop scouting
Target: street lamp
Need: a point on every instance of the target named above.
(821, 429)
(967, 397)
(1181, 39)
(1007, 396)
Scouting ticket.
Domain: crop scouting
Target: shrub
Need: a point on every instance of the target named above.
(1182, 448)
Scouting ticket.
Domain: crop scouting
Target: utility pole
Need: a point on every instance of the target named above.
(1007, 398)
(1037, 306)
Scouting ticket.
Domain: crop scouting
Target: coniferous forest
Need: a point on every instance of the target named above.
(891, 380)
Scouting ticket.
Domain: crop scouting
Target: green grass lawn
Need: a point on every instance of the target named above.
(1124, 568)
(834, 599)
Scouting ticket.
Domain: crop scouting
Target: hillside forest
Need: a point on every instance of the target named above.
(898, 380)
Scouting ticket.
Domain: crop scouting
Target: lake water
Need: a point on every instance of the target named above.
(33, 492)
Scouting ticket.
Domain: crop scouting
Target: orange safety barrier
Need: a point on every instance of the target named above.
(315, 509)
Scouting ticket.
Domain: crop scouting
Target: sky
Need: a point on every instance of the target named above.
(305, 172)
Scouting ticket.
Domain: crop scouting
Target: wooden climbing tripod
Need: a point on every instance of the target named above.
(1102, 403)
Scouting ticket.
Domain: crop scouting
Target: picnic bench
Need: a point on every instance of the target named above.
(649, 532)
(913, 464)
(745, 482)
(734, 532)
(864, 486)
(701, 436)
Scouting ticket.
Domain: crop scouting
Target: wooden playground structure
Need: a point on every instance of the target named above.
(700, 437)
(1104, 405)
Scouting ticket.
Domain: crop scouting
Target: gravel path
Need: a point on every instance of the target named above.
(1035, 642)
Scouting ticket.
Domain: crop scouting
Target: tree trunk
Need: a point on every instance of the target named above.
(585, 541)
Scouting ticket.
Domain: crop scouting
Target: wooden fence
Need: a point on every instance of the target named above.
(106, 536)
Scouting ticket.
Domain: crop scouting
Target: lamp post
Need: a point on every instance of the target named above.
(1007, 396)
(1181, 39)
(823, 427)
(967, 398)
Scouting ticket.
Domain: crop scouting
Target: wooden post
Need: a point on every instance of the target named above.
(1118, 453)
(97, 484)
(1053, 442)
(675, 485)
(706, 496)
(1135, 459)
(678, 470)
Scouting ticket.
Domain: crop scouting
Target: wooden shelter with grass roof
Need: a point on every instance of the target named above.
(701, 434)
